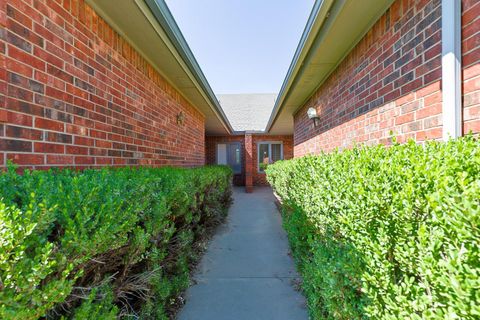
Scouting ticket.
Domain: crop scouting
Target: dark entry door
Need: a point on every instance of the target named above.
(231, 155)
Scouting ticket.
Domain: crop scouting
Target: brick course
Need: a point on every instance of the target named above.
(391, 82)
(73, 92)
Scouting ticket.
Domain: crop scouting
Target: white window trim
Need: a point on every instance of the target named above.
(269, 152)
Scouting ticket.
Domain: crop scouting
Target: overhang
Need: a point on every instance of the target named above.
(151, 29)
(333, 29)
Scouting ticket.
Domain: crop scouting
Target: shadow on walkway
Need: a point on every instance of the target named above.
(246, 272)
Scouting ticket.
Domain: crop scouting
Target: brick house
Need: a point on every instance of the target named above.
(83, 84)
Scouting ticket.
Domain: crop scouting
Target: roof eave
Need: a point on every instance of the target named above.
(165, 18)
(314, 23)
(166, 51)
(329, 20)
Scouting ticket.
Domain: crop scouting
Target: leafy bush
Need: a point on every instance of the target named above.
(98, 244)
(386, 233)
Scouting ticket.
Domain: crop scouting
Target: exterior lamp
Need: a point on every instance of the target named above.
(180, 118)
(312, 114)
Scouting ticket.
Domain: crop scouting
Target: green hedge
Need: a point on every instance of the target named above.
(386, 233)
(98, 244)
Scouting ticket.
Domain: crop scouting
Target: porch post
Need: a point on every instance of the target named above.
(248, 163)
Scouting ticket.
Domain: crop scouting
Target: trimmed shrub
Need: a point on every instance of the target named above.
(386, 232)
(102, 244)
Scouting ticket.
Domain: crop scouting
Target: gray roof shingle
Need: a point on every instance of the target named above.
(247, 112)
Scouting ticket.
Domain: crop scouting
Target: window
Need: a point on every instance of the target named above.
(230, 154)
(268, 152)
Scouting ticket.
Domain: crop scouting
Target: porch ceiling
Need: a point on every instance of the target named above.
(333, 29)
(149, 27)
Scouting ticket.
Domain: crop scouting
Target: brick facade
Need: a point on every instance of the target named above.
(249, 167)
(249, 144)
(391, 82)
(471, 65)
(73, 92)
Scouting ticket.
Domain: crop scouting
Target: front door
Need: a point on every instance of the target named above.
(230, 154)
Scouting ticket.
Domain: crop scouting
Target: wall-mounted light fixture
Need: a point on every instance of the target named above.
(180, 118)
(312, 114)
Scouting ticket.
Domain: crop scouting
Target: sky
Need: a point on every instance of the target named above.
(242, 46)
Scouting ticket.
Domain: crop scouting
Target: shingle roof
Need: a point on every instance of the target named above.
(248, 112)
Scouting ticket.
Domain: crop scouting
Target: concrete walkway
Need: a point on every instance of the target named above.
(246, 273)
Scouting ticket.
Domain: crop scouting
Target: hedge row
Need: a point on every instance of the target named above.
(386, 233)
(102, 244)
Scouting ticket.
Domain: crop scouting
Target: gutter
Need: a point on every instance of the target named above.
(244, 132)
(314, 24)
(164, 17)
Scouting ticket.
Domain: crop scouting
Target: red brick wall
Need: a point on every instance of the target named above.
(211, 153)
(391, 82)
(249, 168)
(74, 93)
(471, 65)
(258, 178)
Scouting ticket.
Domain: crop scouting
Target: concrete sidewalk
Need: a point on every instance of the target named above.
(246, 273)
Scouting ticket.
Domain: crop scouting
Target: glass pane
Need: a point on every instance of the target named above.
(222, 154)
(263, 156)
(276, 152)
(234, 160)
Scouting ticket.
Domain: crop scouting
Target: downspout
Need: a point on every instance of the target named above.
(451, 69)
